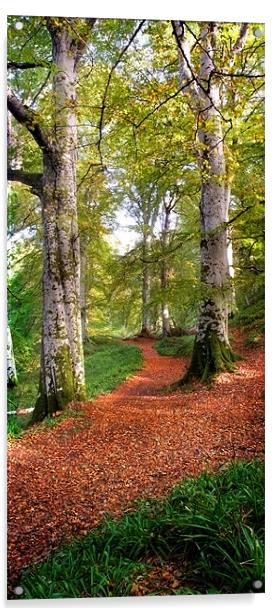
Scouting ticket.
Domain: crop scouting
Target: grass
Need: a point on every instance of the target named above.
(107, 364)
(209, 529)
(24, 394)
(252, 319)
(178, 347)
(14, 426)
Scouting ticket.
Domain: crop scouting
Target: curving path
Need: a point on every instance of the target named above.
(132, 443)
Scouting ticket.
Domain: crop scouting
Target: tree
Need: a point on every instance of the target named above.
(11, 368)
(62, 376)
(168, 204)
(205, 91)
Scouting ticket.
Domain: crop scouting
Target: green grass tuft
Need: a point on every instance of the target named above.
(178, 347)
(14, 427)
(211, 527)
(110, 364)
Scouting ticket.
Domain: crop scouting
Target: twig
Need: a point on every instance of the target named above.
(103, 106)
(163, 103)
(41, 88)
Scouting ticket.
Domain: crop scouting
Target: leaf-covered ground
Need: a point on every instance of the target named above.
(134, 442)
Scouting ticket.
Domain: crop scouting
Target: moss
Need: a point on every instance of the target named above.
(209, 357)
(61, 390)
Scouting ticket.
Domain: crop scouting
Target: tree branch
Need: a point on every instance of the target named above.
(185, 67)
(163, 103)
(43, 85)
(197, 86)
(229, 222)
(28, 118)
(244, 75)
(81, 41)
(241, 38)
(27, 65)
(161, 256)
(30, 179)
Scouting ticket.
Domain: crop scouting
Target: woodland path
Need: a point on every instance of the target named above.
(132, 443)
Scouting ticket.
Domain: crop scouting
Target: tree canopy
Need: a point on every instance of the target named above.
(141, 124)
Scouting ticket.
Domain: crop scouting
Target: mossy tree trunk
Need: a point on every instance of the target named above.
(62, 377)
(212, 352)
(146, 284)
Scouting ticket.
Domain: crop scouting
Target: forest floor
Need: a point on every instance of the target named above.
(138, 441)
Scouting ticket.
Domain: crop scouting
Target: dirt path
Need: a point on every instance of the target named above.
(132, 443)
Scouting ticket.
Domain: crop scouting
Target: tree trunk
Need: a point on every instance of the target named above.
(166, 323)
(11, 368)
(146, 321)
(62, 369)
(232, 295)
(83, 295)
(211, 352)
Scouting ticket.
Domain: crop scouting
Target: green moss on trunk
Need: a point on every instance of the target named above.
(209, 357)
(60, 390)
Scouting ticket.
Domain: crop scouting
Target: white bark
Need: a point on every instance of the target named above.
(62, 361)
(214, 194)
(166, 322)
(62, 377)
(11, 368)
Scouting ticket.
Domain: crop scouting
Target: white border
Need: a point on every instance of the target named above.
(231, 10)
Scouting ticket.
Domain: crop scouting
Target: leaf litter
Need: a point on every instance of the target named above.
(136, 442)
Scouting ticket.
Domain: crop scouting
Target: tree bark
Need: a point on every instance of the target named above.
(83, 293)
(166, 322)
(11, 368)
(212, 352)
(146, 285)
(62, 376)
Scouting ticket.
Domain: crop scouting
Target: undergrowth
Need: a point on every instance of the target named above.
(252, 318)
(179, 347)
(210, 529)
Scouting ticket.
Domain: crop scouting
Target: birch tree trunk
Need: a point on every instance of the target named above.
(11, 368)
(212, 352)
(62, 376)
